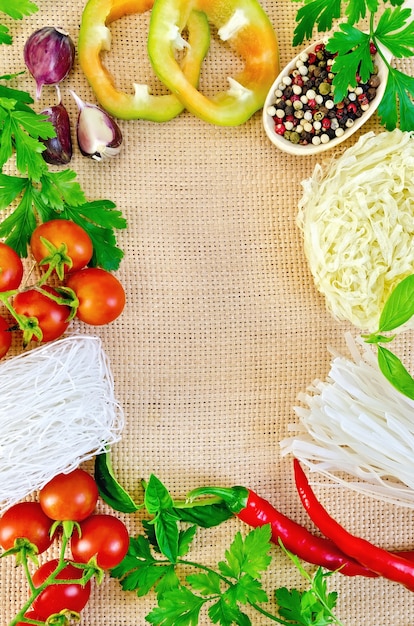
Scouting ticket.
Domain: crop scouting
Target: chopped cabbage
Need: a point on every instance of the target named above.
(357, 219)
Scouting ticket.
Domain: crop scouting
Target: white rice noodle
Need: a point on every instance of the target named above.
(357, 423)
(57, 409)
(357, 220)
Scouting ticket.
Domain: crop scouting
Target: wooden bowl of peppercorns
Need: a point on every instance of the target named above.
(300, 115)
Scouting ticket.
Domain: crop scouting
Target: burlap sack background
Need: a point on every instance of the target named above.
(223, 326)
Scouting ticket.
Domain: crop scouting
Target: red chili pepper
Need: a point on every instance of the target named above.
(386, 564)
(256, 511)
(298, 539)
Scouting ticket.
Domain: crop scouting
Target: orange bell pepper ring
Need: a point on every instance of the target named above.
(95, 38)
(246, 28)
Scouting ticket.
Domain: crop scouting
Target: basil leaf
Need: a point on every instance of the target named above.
(205, 516)
(109, 488)
(395, 372)
(167, 534)
(399, 307)
(157, 497)
(159, 503)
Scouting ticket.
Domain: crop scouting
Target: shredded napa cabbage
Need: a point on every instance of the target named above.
(357, 219)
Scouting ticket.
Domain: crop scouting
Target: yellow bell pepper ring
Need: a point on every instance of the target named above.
(245, 26)
(95, 37)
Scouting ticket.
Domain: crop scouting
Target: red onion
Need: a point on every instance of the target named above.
(58, 149)
(98, 134)
(49, 54)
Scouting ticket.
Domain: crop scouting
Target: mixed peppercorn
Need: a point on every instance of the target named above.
(304, 110)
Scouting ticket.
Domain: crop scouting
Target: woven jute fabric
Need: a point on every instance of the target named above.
(223, 326)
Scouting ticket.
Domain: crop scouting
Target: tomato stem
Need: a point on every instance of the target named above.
(24, 561)
(29, 325)
(36, 591)
(56, 260)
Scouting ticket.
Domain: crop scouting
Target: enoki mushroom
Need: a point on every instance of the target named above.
(357, 429)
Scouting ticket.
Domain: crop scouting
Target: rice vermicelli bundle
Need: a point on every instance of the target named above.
(57, 410)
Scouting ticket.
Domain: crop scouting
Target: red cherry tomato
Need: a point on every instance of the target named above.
(57, 232)
(100, 294)
(70, 496)
(5, 337)
(52, 317)
(11, 268)
(56, 598)
(103, 536)
(25, 519)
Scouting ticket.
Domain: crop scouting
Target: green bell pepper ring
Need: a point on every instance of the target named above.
(244, 25)
(95, 37)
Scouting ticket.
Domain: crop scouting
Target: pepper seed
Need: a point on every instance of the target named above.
(304, 109)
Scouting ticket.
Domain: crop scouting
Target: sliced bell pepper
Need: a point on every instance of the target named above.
(95, 37)
(244, 25)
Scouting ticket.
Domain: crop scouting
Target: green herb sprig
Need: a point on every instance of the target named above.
(158, 561)
(312, 606)
(397, 310)
(390, 27)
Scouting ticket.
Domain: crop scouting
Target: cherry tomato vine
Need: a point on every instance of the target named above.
(66, 288)
(90, 544)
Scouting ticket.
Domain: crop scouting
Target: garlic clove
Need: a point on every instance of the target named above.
(98, 134)
(58, 149)
(49, 55)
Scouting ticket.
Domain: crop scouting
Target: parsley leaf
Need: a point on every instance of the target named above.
(397, 35)
(353, 56)
(9, 95)
(5, 37)
(140, 571)
(347, 39)
(394, 33)
(177, 607)
(226, 615)
(206, 583)
(397, 102)
(10, 188)
(235, 583)
(315, 12)
(16, 10)
(352, 48)
(249, 555)
(310, 607)
(59, 189)
(17, 225)
(20, 131)
(301, 607)
(358, 9)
